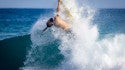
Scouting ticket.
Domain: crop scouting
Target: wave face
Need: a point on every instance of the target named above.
(13, 51)
(83, 49)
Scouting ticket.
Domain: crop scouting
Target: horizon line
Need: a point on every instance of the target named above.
(51, 8)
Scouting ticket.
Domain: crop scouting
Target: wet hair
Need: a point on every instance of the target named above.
(50, 23)
(51, 19)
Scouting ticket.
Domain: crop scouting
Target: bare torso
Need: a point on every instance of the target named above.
(60, 23)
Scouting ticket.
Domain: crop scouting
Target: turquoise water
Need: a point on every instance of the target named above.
(15, 41)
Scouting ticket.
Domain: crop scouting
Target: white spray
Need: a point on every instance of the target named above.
(83, 50)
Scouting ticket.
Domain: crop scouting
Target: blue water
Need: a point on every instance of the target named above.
(15, 22)
(15, 25)
(110, 21)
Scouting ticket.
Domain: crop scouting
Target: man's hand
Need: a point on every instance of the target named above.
(59, 0)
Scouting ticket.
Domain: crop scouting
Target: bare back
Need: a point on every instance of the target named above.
(58, 21)
(61, 23)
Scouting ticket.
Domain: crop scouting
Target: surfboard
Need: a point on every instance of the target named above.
(66, 10)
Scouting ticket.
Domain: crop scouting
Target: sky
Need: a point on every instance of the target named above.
(53, 3)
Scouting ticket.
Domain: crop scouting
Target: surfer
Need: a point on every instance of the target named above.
(57, 21)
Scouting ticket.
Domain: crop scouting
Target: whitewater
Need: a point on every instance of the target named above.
(83, 49)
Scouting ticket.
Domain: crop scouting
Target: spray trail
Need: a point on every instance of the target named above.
(86, 51)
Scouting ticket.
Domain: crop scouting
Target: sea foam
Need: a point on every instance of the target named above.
(83, 49)
(86, 51)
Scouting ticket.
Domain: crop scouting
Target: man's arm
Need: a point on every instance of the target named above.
(58, 7)
(44, 29)
(66, 9)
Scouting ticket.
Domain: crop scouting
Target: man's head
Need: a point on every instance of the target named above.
(50, 22)
(51, 19)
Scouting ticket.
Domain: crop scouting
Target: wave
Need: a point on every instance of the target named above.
(13, 51)
(44, 50)
(16, 38)
(82, 50)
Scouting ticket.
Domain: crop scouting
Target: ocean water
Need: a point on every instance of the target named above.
(16, 22)
(97, 42)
